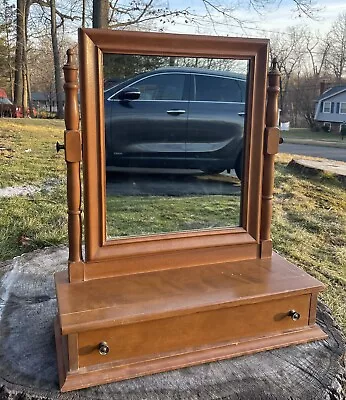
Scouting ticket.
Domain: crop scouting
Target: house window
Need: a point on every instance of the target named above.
(327, 105)
(342, 108)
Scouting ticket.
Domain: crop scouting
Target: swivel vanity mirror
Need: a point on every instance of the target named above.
(172, 124)
(178, 267)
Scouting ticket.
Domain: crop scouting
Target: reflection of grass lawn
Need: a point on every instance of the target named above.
(139, 215)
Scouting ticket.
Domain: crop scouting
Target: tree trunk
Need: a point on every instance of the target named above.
(8, 22)
(83, 13)
(26, 81)
(28, 89)
(100, 13)
(57, 66)
(27, 98)
(18, 77)
(25, 90)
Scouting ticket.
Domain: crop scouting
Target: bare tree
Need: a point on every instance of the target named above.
(83, 13)
(336, 56)
(57, 66)
(100, 13)
(302, 57)
(317, 47)
(7, 40)
(113, 14)
(139, 12)
(116, 14)
(22, 91)
(20, 39)
(306, 88)
(289, 50)
(227, 8)
(42, 73)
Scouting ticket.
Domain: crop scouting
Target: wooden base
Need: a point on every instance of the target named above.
(111, 372)
(165, 320)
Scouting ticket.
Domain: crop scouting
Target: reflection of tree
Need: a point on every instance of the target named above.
(212, 63)
(119, 67)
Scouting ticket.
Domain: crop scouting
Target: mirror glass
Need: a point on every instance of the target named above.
(174, 137)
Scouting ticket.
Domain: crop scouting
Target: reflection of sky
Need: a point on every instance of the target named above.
(264, 23)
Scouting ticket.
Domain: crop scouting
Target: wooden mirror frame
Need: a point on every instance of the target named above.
(179, 249)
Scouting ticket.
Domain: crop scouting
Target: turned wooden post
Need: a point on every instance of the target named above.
(73, 157)
(271, 147)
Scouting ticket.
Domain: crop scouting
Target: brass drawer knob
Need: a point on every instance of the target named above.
(294, 315)
(103, 348)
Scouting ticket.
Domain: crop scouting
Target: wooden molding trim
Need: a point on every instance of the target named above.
(93, 43)
(91, 376)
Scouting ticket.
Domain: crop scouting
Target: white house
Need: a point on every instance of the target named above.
(331, 108)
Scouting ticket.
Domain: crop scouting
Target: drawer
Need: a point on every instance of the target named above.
(190, 332)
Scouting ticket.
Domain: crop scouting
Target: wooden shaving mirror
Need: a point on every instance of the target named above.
(149, 303)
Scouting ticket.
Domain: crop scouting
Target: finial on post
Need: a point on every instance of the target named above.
(70, 57)
(274, 69)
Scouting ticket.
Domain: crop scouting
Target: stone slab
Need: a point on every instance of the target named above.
(336, 168)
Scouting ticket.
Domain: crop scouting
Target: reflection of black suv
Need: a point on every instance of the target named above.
(177, 118)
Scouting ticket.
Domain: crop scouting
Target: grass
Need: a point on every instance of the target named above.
(309, 215)
(309, 228)
(27, 151)
(28, 157)
(128, 215)
(31, 222)
(306, 133)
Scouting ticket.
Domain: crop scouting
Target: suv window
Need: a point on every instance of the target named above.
(161, 87)
(214, 88)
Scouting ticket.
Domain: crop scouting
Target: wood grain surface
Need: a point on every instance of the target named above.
(127, 299)
(170, 319)
(98, 250)
(28, 362)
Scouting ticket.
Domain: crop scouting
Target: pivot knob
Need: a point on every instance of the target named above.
(59, 147)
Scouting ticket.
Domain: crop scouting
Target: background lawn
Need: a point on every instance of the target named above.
(306, 133)
(27, 151)
(309, 219)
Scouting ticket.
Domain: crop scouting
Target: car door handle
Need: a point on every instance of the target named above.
(241, 114)
(175, 112)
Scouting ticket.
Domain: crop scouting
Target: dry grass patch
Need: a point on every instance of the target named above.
(27, 151)
(309, 228)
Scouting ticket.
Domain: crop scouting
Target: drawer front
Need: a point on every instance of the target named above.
(187, 333)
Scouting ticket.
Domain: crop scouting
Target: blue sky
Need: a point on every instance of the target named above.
(273, 19)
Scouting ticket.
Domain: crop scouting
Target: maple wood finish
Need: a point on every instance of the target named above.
(271, 147)
(99, 250)
(73, 157)
(208, 313)
(142, 305)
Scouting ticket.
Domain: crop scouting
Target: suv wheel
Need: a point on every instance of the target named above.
(239, 166)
